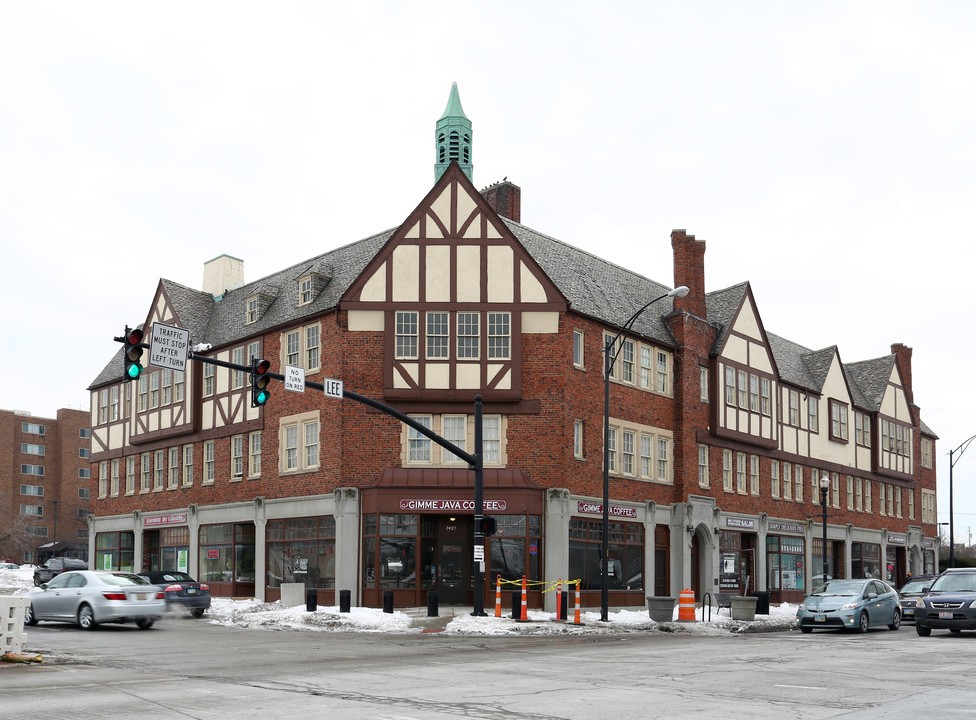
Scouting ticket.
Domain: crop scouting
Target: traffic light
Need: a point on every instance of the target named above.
(259, 382)
(132, 353)
(489, 526)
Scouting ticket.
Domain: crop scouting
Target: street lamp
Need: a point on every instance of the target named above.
(952, 538)
(824, 490)
(610, 358)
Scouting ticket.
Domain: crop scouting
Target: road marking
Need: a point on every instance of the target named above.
(800, 687)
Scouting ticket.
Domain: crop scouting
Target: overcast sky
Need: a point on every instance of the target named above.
(825, 152)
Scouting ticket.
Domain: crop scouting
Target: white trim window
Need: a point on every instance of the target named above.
(130, 475)
(578, 338)
(174, 468)
(237, 457)
(727, 485)
(145, 471)
(646, 456)
(455, 429)
(754, 393)
(627, 452)
(209, 462)
(187, 465)
(418, 444)
(115, 477)
(468, 336)
(703, 384)
(499, 336)
(787, 482)
(774, 479)
(578, 439)
(159, 466)
(305, 290)
(299, 439)
(302, 347)
(103, 479)
(740, 473)
(438, 335)
(491, 439)
(154, 379)
(208, 381)
(254, 454)
(143, 393)
(663, 459)
(407, 334)
(237, 376)
(703, 479)
(754, 474)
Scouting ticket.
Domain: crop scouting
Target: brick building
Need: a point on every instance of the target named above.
(44, 485)
(720, 432)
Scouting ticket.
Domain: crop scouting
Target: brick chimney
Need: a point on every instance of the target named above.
(903, 356)
(505, 198)
(689, 270)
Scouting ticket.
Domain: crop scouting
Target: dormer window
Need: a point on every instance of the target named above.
(256, 305)
(305, 290)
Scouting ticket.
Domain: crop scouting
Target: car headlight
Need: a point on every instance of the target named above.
(972, 605)
(920, 603)
(848, 606)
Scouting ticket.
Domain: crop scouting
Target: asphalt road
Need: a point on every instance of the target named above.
(186, 668)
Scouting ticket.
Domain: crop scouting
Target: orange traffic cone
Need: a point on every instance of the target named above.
(576, 620)
(686, 606)
(498, 597)
(525, 605)
(559, 600)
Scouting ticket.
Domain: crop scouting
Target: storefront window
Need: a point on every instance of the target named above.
(625, 547)
(301, 550)
(865, 560)
(395, 565)
(114, 551)
(516, 547)
(227, 553)
(784, 562)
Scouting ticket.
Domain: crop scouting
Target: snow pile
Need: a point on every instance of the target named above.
(272, 616)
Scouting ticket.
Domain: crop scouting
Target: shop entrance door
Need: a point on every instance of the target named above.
(453, 571)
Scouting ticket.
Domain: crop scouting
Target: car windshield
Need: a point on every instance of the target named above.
(915, 586)
(955, 582)
(122, 579)
(175, 577)
(840, 587)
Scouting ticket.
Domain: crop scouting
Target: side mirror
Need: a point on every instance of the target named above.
(872, 595)
(925, 590)
(43, 586)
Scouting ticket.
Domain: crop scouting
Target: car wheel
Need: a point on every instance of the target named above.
(145, 623)
(895, 621)
(922, 630)
(86, 618)
(863, 622)
(29, 618)
(197, 612)
(807, 630)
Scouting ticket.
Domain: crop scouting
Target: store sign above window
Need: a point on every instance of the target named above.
(734, 522)
(452, 505)
(785, 527)
(896, 539)
(615, 511)
(164, 520)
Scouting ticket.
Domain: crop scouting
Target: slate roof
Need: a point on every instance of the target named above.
(592, 286)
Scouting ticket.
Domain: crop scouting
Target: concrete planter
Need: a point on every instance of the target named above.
(661, 609)
(743, 607)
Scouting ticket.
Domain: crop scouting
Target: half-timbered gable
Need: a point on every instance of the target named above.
(892, 423)
(453, 291)
(833, 413)
(746, 377)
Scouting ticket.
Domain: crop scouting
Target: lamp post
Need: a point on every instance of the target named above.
(609, 359)
(952, 538)
(824, 490)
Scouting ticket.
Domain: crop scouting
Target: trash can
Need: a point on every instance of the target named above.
(345, 600)
(311, 599)
(388, 601)
(762, 601)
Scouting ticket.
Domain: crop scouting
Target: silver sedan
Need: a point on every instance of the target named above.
(89, 597)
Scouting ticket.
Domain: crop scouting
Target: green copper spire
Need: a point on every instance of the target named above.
(452, 137)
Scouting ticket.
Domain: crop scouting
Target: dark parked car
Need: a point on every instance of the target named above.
(950, 603)
(910, 592)
(55, 566)
(182, 591)
(90, 598)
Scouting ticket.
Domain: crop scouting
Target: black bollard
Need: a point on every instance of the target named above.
(388, 601)
(344, 600)
(311, 599)
(563, 606)
(516, 605)
(431, 604)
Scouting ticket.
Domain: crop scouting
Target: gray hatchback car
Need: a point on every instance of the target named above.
(950, 603)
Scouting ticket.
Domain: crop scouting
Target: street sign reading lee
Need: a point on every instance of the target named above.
(294, 378)
(169, 347)
(333, 388)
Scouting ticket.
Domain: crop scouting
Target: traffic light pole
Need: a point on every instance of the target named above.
(475, 461)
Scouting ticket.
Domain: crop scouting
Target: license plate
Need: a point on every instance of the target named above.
(191, 591)
(142, 596)
(943, 615)
(819, 618)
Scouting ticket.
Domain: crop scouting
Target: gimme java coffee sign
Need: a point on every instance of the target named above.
(614, 510)
(452, 505)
